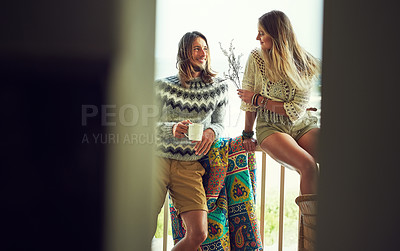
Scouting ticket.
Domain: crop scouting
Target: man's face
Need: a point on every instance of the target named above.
(199, 53)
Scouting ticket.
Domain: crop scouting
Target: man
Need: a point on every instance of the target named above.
(195, 95)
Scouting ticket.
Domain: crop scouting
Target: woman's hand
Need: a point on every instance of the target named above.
(245, 95)
(180, 129)
(249, 145)
(203, 146)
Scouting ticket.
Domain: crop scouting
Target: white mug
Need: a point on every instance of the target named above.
(195, 132)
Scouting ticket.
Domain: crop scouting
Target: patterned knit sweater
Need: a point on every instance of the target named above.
(203, 103)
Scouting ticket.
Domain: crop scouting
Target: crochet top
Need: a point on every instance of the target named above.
(294, 101)
(203, 103)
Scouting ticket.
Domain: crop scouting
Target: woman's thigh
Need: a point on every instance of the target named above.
(285, 150)
(309, 142)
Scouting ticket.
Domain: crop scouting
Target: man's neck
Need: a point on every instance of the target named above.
(197, 71)
(196, 74)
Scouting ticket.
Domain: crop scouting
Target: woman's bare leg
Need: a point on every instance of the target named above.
(309, 142)
(285, 150)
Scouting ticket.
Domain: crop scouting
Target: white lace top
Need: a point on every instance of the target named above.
(254, 79)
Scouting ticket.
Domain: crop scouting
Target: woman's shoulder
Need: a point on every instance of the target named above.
(256, 55)
(256, 51)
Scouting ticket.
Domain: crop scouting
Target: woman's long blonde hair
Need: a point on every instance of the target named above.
(186, 69)
(287, 60)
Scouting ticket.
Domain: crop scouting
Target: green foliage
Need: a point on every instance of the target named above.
(160, 224)
(290, 221)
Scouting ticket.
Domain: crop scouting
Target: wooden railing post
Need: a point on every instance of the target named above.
(281, 207)
(262, 213)
(165, 224)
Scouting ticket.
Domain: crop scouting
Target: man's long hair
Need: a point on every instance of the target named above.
(184, 57)
(286, 60)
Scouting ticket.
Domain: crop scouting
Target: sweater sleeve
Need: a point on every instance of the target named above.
(163, 128)
(248, 83)
(297, 107)
(218, 116)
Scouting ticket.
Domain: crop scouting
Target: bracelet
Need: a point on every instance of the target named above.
(256, 99)
(247, 135)
(252, 98)
(266, 102)
(262, 101)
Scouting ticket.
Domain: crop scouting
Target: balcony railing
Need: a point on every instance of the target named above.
(262, 202)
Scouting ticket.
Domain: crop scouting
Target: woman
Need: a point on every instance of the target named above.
(276, 89)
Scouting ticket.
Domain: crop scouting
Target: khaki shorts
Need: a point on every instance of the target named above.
(296, 130)
(184, 180)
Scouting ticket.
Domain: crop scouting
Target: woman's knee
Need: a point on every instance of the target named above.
(307, 166)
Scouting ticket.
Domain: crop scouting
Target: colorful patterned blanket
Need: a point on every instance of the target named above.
(229, 183)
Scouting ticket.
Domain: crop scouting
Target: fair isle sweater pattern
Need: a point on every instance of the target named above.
(203, 103)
